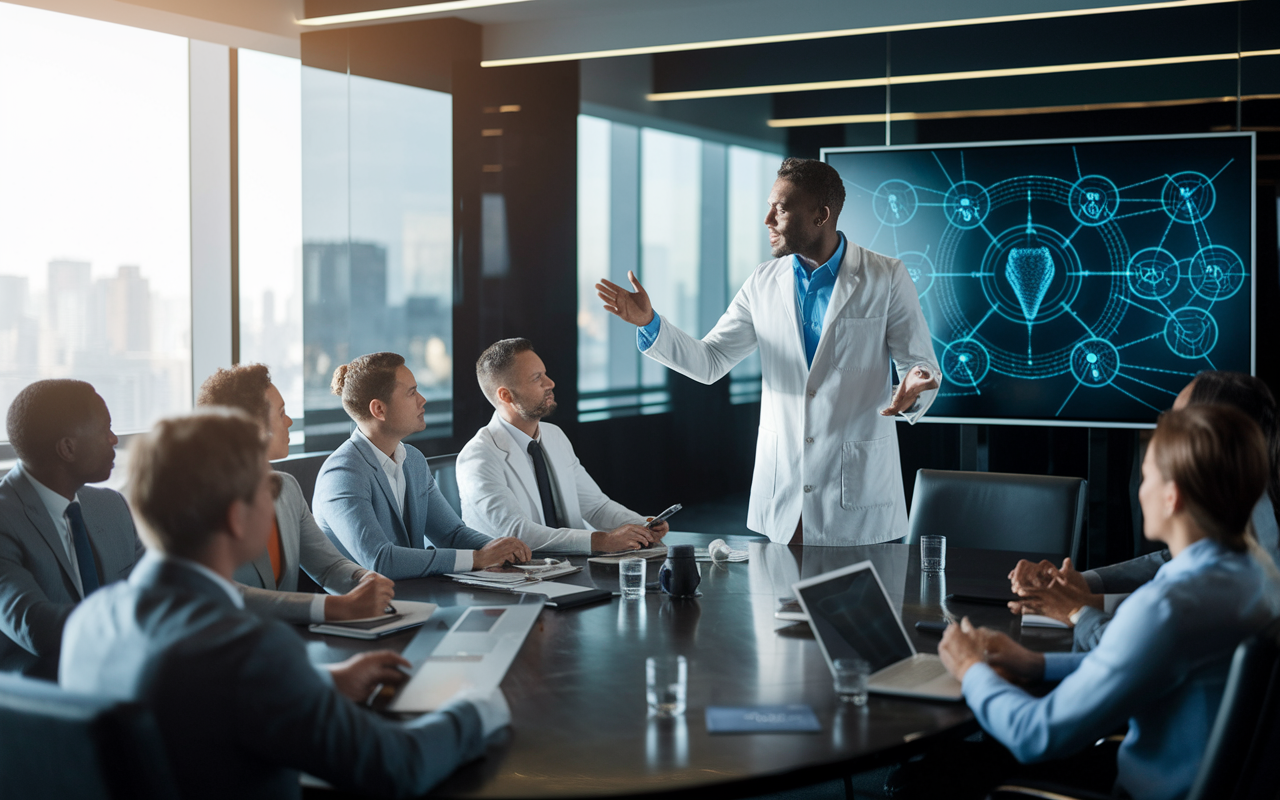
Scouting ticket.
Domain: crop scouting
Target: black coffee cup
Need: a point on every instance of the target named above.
(679, 574)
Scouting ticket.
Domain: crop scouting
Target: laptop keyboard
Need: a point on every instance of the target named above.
(910, 673)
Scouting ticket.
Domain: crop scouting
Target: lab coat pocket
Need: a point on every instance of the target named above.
(867, 472)
(859, 344)
(766, 471)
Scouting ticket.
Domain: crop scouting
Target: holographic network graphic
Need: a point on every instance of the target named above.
(1084, 281)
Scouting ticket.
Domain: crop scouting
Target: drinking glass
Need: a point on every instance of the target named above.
(851, 680)
(631, 578)
(933, 553)
(666, 681)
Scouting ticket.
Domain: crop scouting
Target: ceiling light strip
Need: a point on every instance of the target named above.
(898, 80)
(404, 11)
(835, 34)
(900, 116)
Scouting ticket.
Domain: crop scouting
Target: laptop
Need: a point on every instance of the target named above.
(851, 616)
(463, 647)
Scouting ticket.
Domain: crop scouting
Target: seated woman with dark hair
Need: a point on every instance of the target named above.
(271, 580)
(1162, 662)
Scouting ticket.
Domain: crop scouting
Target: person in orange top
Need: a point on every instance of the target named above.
(270, 581)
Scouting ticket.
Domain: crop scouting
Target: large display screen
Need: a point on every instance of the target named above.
(1071, 282)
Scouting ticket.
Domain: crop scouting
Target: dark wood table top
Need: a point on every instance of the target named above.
(577, 688)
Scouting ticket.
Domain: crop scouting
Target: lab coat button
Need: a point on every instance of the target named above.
(808, 440)
(808, 488)
(812, 393)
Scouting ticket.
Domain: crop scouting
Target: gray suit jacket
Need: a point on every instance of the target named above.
(356, 509)
(37, 590)
(240, 708)
(303, 544)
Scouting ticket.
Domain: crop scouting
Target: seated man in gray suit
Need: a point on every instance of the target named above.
(270, 581)
(519, 476)
(239, 706)
(59, 539)
(376, 499)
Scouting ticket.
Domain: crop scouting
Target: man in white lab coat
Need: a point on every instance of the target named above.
(827, 316)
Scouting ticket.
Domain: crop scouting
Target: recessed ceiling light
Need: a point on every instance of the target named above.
(935, 77)
(835, 34)
(404, 11)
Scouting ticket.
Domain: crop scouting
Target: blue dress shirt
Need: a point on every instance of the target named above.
(1161, 664)
(813, 295)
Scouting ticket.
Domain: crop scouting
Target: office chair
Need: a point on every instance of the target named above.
(1000, 511)
(1240, 760)
(445, 470)
(305, 468)
(55, 745)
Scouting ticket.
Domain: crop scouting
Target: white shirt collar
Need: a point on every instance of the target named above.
(395, 461)
(522, 438)
(225, 585)
(54, 502)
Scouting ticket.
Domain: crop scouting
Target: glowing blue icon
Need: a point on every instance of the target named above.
(1093, 200)
(1153, 273)
(966, 204)
(1217, 272)
(965, 363)
(1191, 332)
(894, 202)
(1095, 362)
(1188, 197)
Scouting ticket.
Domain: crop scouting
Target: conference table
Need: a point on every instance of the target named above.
(577, 687)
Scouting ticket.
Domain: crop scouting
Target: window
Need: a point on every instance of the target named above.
(95, 212)
(687, 215)
(270, 184)
(377, 232)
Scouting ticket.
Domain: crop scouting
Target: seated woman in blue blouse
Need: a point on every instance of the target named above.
(1162, 662)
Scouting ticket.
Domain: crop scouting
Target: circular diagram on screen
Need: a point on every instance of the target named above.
(1094, 200)
(1095, 362)
(920, 268)
(1019, 271)
(966, 204)
(1216, 273)
(1153, 273)
(895, 202)
(1188, 197)
(965, 362)
(1191, 332)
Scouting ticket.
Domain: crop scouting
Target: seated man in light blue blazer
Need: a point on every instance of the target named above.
(376, 499)
(59, 539)
(238, 704)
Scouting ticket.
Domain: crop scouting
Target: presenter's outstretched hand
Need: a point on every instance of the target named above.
(370, 598)
(918, 380)
(633, 307)
(500, 551)
(358, 676)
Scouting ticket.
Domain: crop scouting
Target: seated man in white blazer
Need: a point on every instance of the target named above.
(519, 476)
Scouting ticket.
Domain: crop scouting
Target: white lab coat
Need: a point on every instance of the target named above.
(823, 449)
(500, 497)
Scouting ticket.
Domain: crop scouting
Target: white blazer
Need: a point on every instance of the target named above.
(823, 450)
(500, 492)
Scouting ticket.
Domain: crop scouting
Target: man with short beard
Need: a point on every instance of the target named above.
(519, 476)
(827, 317)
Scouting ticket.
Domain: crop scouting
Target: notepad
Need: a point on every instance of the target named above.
(409, 613)
(792, 718)
(1040, 621)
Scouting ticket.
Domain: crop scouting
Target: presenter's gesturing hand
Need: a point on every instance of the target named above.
(918, 380)
(633, 307)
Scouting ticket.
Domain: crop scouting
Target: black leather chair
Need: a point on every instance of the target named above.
(1000, 511)
(1240, 760)
(445, 470)
(305, 468)
(56, 745)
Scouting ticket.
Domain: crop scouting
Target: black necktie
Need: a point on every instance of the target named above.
(544, 485)
(84, 554)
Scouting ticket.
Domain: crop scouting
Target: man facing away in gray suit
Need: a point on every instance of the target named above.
(239, 706)
(376, 499)
(59, 539)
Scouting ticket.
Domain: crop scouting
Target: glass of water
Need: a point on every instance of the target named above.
(631, 578)
(851, 676)
(933, 553)
(666, 681)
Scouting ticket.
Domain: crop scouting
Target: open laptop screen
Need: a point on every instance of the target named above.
(852, 616)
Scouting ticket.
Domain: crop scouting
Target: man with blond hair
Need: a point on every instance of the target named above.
(240, 707)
